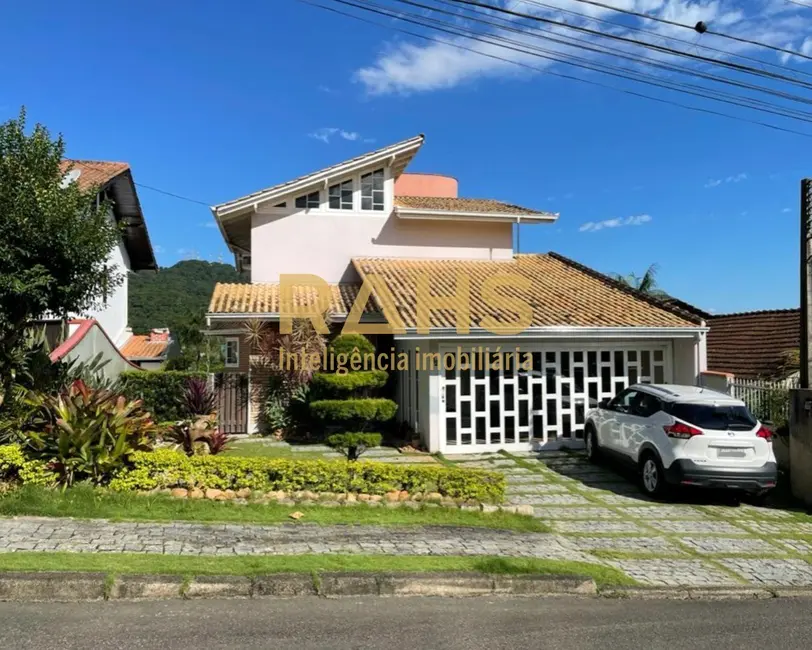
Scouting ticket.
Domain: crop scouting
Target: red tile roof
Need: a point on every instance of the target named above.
(139, 346)
(754, 344)
(95, 172)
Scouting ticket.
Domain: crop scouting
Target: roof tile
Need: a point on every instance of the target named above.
(94, 172)
(455, 204)
(139, 346)
(264, 298)
(561, 292)
(754, 344)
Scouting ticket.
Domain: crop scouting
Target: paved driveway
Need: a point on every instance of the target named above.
(694, 540)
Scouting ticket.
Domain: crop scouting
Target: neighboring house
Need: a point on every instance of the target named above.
(589, 336)
(104, 329)
(150, 351)
(756, 344)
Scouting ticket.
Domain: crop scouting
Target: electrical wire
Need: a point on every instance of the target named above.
(668, 37)
(700, 27)
(624, 73)
(625, 91)
(668, 50)
(591, 46)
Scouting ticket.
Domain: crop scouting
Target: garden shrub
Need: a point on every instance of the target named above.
(349, 404)
(165, 468)
(351, 343)
(161, 391)
(352, 445)
(15, 466)
(87, 434)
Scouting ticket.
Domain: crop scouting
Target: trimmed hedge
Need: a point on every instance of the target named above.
(160, 390)
(349, 343)
(331, 384)
(376, 409)
(165, 468)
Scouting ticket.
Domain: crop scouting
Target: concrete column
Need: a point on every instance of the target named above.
(800, 445)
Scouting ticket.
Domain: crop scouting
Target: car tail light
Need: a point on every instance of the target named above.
(681, 430)
(764, 432)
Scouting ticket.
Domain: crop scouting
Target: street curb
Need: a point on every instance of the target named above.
(74, 586)
(70, 587)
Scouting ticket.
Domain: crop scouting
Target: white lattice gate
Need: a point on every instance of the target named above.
(515, 409)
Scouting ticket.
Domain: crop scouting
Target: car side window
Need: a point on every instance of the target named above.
(647, 405)
(624, 401)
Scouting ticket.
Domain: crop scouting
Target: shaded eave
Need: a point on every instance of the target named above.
(128, 214)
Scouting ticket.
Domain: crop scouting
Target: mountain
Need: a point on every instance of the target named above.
(173, 294)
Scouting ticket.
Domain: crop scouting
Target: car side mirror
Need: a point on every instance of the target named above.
(604, 403)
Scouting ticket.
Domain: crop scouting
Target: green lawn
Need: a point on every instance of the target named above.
(120, 563)
(84, 502)
(259, 448)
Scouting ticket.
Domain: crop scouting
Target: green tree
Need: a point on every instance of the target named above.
(646, 283)
(55, 238)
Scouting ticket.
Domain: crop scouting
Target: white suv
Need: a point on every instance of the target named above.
(684, 435)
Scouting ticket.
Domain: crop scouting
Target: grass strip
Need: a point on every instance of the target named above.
(85, 502)
(129, 563)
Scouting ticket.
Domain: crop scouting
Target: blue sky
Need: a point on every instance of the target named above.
(214, 99)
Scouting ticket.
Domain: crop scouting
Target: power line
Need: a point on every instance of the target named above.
(700, 27)
(668, 50)
(543, 70)
(668, 37)
(603, 49)
(616, 71)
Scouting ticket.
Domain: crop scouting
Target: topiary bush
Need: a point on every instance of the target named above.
(165, 468)
(346, 402)
(352, 445)
(161, 391)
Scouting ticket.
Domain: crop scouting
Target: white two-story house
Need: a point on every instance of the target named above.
(586, 335)
(104, 329)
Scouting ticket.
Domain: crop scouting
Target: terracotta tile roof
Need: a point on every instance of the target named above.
(561, 292)
(139, 346)
(754, 344)
(95, 172)
(264, 298)
(448, 204)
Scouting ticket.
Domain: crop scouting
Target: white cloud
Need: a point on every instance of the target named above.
(785, 210)
(207, 224)
(158, 249)
(407, 66)
(736, 178)
(325, 134)
(188, 254)
(617, 222)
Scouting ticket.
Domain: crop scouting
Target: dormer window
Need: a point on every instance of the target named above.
(308, 201)
(341, 196)
(372, 190)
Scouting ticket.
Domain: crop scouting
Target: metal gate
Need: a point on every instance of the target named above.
(231, 389)
(486, 409)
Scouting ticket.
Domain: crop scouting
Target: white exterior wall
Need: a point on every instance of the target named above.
(682, 360)
(323, 241)
(113, 315)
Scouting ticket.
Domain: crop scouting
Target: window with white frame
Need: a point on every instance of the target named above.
(231, 352)
(340, 196)
(308, 201)
(372, 190)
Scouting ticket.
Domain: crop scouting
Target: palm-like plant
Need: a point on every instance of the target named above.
(646, 283)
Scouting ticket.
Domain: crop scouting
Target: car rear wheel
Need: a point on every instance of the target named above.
(652, 476)
(592, 449)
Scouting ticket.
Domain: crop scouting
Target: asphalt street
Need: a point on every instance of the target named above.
(401, 623)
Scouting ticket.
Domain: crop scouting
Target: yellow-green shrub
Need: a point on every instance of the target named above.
(166, 469)
(13, 465)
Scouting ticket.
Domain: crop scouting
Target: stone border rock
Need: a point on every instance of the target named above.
(393, 499)
(71, 587)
